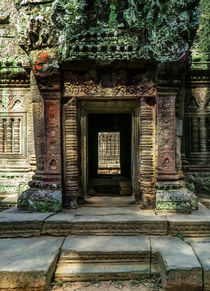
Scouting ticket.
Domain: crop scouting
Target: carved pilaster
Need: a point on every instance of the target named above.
(52, 132)
(166, 134)
(147, 150)
(38, 124)
(71, 154)
(172, 194)
(45, 188)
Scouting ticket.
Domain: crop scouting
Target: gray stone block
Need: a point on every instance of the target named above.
(18, 223)
(28, 264)
(202, 251)
(176, 200)
(179, 267)
(107, 271)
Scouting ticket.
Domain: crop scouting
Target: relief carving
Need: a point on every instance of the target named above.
(201, 95)
(166, 133)
(86, 86)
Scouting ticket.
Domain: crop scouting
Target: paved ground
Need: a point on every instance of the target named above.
(20, 256)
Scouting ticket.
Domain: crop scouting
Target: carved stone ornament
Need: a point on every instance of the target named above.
(201, 95)
(85, 86)
(166, 136)
(108, 30)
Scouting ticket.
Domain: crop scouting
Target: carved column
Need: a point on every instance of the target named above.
(166, 134)
(147, 152)
(51, 141)
(71, 155)
(172, 194)
(45, 187)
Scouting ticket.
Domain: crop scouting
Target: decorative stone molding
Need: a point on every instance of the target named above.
(201, 95)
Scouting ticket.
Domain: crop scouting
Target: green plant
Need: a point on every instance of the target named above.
(180, 236)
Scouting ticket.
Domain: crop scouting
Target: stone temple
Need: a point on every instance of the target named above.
(103, 97)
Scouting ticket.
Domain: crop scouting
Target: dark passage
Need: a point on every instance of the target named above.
(109, 180)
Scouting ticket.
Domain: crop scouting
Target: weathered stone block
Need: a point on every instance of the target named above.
(21, 224)
(202, 251)
(41, 200)
(179, 267)
(28, 264)
(176, 200)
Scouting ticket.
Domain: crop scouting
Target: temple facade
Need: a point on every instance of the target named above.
(100, 97)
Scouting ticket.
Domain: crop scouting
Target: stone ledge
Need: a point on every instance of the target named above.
(14, 223)
(63, 224)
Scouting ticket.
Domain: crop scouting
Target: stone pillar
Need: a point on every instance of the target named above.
(147, 152)
(166, 134)
(172, 194)
(71, 155)
(44, 193)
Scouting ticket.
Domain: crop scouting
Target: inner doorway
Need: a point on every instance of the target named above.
(109, 154)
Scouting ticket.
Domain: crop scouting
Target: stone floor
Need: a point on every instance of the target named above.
(104, 243)
(29, 263)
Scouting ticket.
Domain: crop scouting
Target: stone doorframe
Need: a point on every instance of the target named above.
(144, 151)
(130, 107)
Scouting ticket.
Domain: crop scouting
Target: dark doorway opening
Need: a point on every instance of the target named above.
(109, 154)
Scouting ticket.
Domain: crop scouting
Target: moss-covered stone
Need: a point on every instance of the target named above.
(174, 200)
(109, 30)
(41, 200)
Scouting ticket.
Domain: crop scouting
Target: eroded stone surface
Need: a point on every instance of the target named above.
(106, 271)
(181, 200)
(107, 244)
(98, 224)
(202, 251)
(179, 267)
(41, 200)
(16, 223)
(28, 264)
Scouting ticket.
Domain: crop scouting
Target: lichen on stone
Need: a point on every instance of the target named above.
(109, 30)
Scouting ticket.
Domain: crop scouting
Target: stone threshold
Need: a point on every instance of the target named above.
(104, 221)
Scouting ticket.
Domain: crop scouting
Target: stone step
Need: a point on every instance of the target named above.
(127, 220)
(98, 271)
(65, 224)
(102, 257)
(28, 264)
(106, 249)
(202, 251)
(177, 264)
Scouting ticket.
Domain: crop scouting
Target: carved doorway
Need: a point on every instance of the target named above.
(109, 143)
